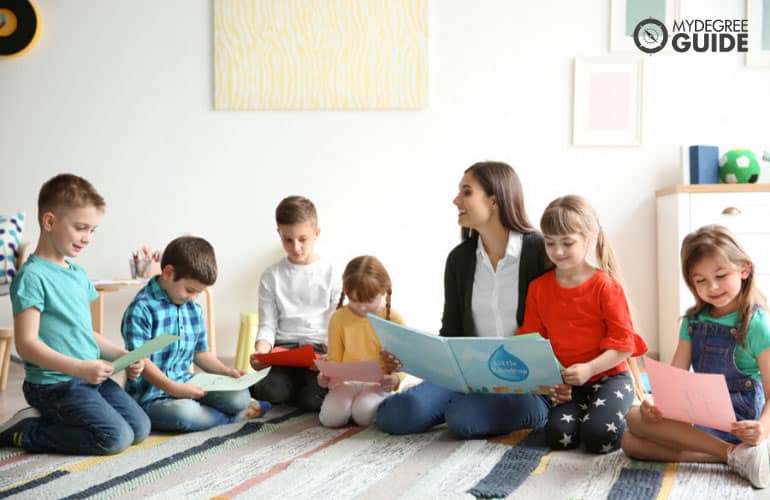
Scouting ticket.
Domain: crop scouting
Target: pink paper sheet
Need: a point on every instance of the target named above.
(361, 371)
(695, 398)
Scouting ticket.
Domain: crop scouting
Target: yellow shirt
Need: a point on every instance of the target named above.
(352, 338)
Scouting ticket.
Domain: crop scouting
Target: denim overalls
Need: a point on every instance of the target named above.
(713, 351)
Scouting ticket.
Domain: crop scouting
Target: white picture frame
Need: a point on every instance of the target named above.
(620, 40)
(756, 57)
(607, 101)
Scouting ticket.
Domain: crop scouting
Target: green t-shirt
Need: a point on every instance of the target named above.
(63, 295)
(758, 338)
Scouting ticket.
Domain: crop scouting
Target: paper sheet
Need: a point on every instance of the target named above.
(360, 371)
(301, 356)
(695, 398)
(143, 351)
(210, 382)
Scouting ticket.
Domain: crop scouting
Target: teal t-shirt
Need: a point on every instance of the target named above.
(63, 295)
(757, 340)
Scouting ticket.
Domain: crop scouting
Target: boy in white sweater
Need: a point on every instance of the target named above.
(297, 296)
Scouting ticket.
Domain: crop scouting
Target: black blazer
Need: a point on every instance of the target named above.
(457, 320)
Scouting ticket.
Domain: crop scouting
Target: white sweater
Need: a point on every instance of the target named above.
(296, 302)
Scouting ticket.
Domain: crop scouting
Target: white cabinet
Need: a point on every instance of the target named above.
(743, 208)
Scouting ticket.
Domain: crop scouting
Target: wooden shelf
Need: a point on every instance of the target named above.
(713, 188)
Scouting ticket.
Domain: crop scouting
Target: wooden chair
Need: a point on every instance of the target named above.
(6, 337)
(6, 332)
(211, 334)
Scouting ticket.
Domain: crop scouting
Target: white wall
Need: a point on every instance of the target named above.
(121, 93)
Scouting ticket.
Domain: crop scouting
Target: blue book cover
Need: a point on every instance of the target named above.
(520, 364)
(704, 165)
(424, 355)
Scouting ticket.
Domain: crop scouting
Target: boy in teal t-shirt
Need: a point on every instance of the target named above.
(75, 406)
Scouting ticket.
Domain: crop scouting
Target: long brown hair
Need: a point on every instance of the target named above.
(365, 278)
(498, 179)
(573, 214)
(719, 243)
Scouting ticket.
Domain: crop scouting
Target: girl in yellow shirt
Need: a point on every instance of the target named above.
(351, 338)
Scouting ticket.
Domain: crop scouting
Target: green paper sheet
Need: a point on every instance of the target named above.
(210, 382)
(143, 351)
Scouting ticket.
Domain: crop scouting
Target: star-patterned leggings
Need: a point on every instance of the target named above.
(596, 416)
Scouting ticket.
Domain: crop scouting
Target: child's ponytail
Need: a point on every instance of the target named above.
(388, 293)
(608, 261)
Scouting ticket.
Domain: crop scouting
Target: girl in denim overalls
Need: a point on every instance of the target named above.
(726, 331)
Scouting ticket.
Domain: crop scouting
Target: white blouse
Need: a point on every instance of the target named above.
(495, 295)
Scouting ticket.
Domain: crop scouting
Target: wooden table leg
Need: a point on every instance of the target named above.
(97, 313)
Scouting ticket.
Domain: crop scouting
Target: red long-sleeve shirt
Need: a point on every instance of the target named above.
(582, 322)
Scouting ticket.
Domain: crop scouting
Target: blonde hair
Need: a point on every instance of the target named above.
(719, 243)
(366, 278)
(573, 214)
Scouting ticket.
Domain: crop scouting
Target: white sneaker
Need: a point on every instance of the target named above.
(752, 463)
(11, 430)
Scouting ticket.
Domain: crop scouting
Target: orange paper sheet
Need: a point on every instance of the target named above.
(301, 356)
(695, 398)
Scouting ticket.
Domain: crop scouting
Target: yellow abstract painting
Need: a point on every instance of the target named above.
(320, 54)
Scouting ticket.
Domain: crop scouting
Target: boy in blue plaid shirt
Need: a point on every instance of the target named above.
(167, 305)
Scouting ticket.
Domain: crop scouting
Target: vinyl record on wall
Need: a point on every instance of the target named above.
(18, 27)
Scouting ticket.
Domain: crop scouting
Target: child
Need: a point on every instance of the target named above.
(583, 311)
(297, 296)
(167, 305)
(76, 407)
(351, 338)
(726, 331)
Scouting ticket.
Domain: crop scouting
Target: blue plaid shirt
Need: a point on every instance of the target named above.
(150, 314)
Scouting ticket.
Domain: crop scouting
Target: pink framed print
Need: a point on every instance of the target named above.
(607, 101)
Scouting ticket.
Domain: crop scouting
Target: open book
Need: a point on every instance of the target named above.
(472, 364)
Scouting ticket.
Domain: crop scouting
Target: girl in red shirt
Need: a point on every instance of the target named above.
(581, 308)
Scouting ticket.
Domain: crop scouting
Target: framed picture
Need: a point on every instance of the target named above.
(607, 101)
(758, 15)
(626, 14)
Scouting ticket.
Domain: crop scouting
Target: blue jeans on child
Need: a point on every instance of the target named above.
(713, 351)
(469, 416)
(187, 415)
(83, 419)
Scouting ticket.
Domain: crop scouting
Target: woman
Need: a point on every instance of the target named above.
(485, 286)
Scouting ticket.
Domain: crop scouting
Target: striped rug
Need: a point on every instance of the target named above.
(289, 455)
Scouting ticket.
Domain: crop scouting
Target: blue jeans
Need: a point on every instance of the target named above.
(713, 351)
(469, 416)
(83, 419)
(186, 415)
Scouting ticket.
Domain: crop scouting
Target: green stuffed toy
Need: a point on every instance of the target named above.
(738, 166)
